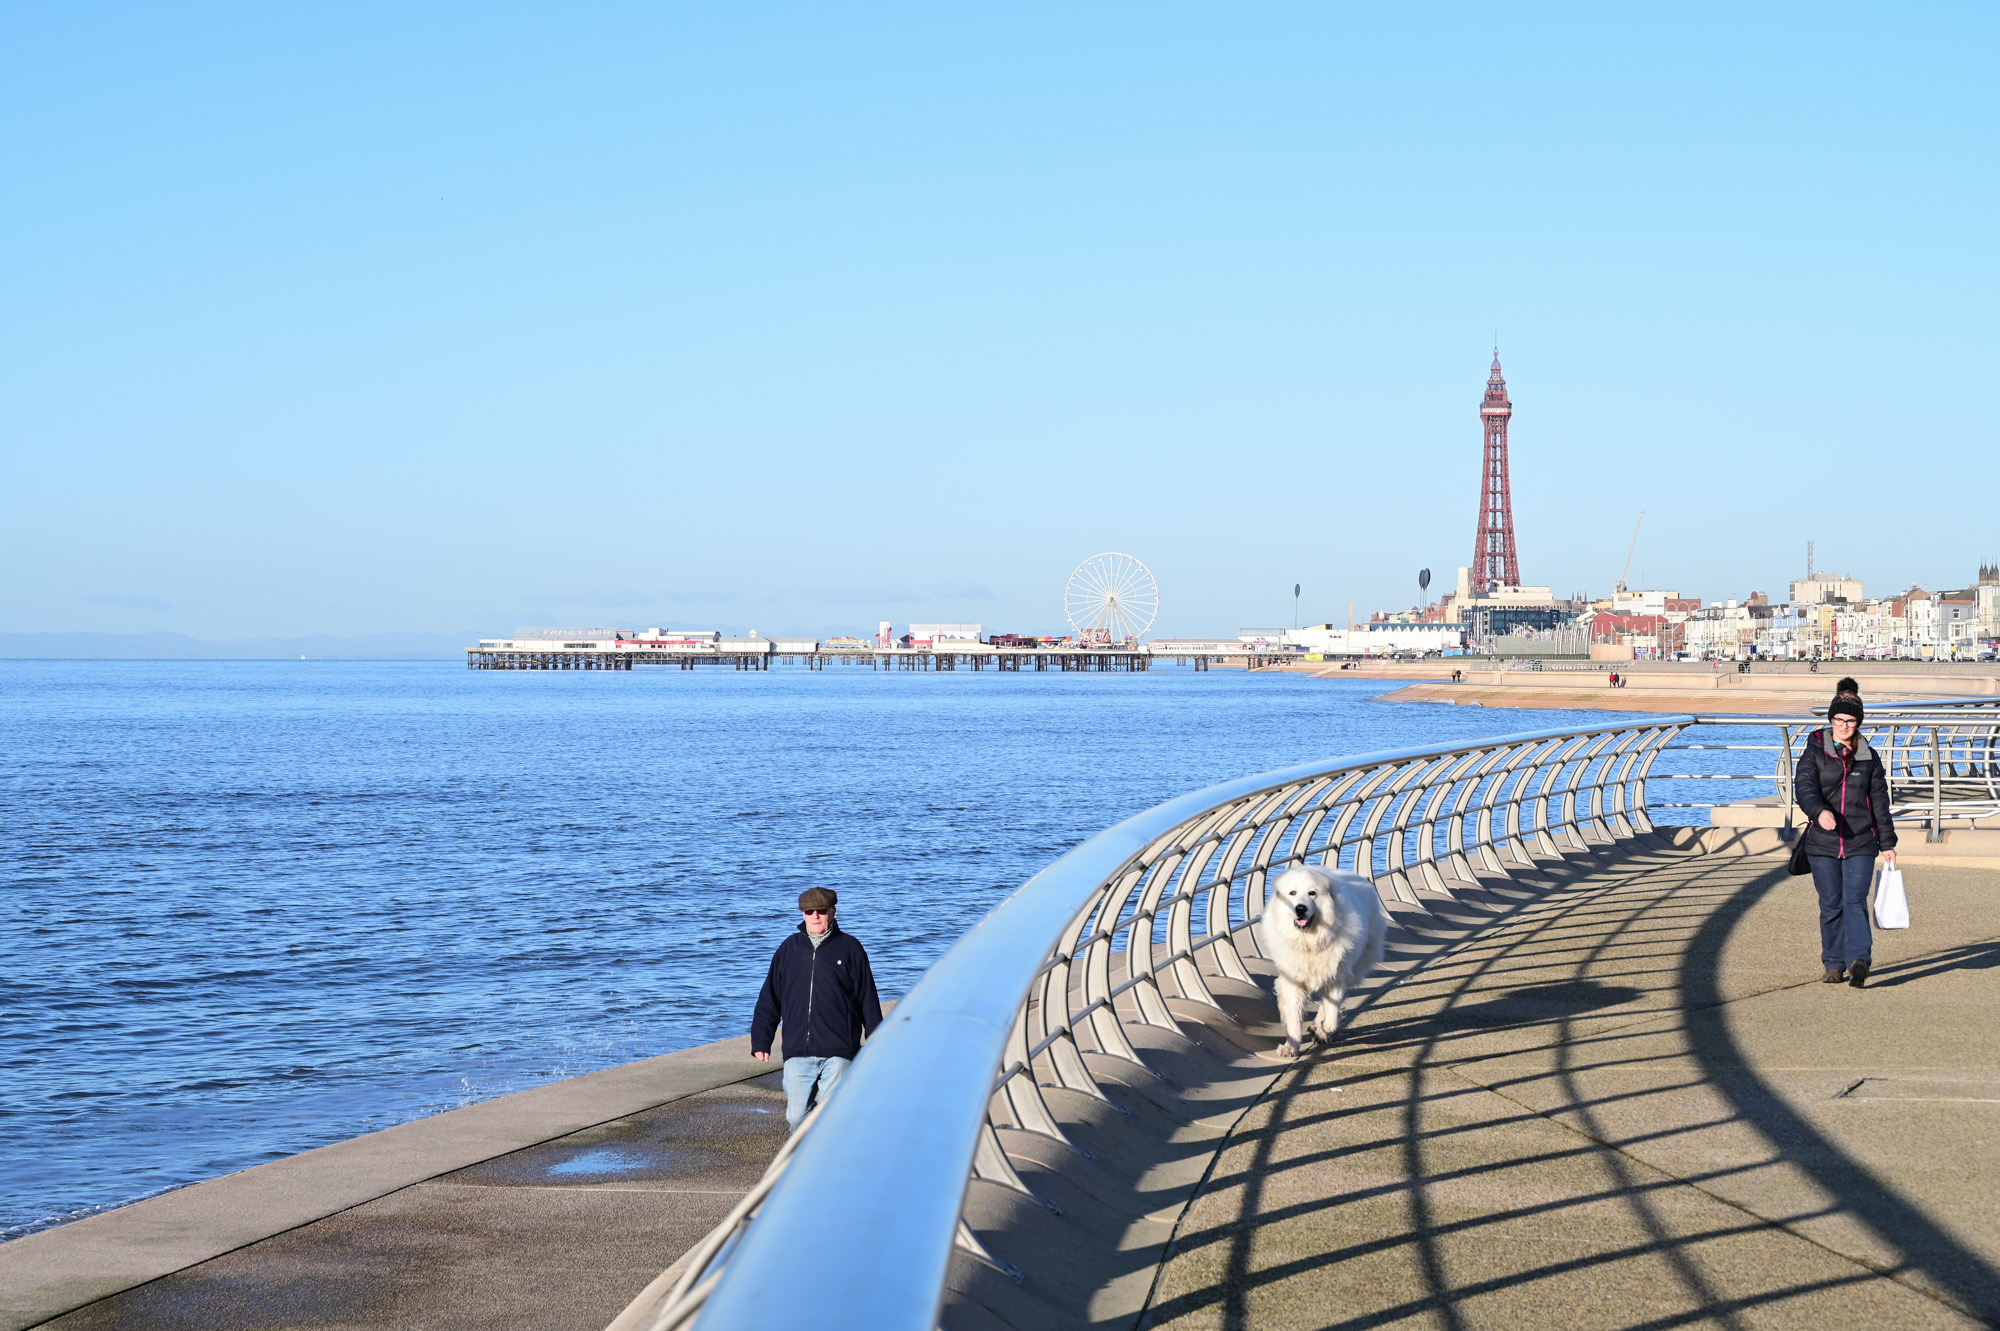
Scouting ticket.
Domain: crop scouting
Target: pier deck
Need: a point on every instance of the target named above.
(585, 658)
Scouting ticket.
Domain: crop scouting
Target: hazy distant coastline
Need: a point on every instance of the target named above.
(180, 647)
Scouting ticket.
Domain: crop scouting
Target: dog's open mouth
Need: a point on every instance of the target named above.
(1301, 917)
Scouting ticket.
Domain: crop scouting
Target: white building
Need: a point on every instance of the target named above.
(1498, 594)
(1719, 629)
(1378, 638)
(1822, 587)
(926, 635)
(683, 637)
(1653, 601)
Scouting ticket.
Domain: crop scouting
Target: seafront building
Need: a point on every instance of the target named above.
(1829, 616)
(1490, 611)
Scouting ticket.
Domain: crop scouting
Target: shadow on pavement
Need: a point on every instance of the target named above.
(1972, 957)
(1926, 1246)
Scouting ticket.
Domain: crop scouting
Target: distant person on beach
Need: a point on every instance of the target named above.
(1843, 787)
(822, 990)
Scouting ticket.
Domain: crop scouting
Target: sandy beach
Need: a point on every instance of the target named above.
(1650, 687)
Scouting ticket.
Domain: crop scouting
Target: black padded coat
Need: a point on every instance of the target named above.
(824, 996)
(1855, 787)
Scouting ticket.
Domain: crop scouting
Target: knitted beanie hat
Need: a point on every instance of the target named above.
(1846, 700)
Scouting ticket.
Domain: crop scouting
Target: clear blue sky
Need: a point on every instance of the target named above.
(359, 318)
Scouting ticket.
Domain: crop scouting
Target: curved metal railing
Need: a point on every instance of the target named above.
(857, 1226)
(856, 1222)
(1943, 760)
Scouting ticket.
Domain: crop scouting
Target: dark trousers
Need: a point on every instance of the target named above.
(1843, 908)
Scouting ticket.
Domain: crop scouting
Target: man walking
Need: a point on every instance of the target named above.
(821, 988)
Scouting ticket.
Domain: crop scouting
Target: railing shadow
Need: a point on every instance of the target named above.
(1971, 957)
(1926, 1246)
(1391, 1187)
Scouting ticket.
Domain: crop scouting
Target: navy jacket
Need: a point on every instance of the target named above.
(1856, 788)
(824, 995)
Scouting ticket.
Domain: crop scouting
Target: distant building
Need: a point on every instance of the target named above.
(1912, 625)
(593, 635)
(1655, 602)
(685, 637)
(1375, 638)
(1649, 636)
(1819, 588)
(926, 635)
(1195, 646)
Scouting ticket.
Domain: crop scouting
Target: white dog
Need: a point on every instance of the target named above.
(1324, 931)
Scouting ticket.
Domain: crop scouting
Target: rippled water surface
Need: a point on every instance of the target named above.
(255, 907)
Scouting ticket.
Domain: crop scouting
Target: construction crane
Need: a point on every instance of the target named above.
(1629, 549)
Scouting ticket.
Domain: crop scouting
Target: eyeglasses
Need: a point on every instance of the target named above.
(816, 912)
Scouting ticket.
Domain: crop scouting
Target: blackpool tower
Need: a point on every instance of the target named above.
(1493, 557)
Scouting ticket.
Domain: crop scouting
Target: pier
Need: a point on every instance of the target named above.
(883, 658)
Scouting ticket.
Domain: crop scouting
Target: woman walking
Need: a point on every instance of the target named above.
(1843, 786)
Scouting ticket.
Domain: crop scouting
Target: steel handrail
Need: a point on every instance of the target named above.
(870, 1202)
(1943, 760)
(869, 1198)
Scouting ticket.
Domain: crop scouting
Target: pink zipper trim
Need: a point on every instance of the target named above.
(1845, 768)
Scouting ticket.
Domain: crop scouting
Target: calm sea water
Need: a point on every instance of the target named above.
(255, 907)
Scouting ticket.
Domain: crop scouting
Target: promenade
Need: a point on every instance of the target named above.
(549, 1208)
(1612, 1093)
(1632, 1105)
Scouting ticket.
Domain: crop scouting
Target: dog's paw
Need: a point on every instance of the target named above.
(1288, 1049)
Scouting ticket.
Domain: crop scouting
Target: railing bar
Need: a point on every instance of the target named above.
(1539, 794)
(1739, 748)
(1713, 776)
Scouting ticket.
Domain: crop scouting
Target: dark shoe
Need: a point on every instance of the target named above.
(1834, 975)
(1857, 974)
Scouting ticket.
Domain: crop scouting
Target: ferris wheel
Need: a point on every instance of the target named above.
(1111, 598)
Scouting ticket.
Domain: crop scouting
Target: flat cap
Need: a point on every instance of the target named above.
(818, 898)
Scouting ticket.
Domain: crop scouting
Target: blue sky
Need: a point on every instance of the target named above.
(372, 318)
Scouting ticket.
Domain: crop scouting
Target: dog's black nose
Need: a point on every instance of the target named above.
(1300, 910)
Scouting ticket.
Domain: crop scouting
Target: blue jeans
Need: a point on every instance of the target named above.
(1843, 909)
(810, 1080)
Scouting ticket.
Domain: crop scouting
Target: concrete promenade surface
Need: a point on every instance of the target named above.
(550, 1208)
(1632, 1105)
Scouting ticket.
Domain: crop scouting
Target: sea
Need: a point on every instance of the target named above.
(254, 907)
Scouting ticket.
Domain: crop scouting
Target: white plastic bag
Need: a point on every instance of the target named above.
(1892, 908)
